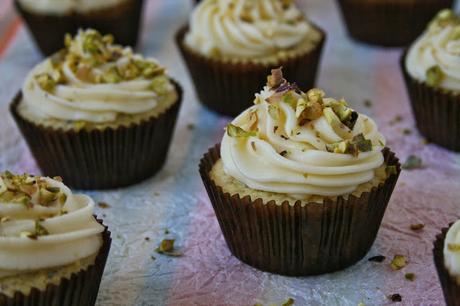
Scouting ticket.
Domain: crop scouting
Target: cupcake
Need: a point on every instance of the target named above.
(300, 182)
(447, 261)
(52, 249)
(230, 46)
(389, 23)
(97, 114)
(49, 20)
(430, 69)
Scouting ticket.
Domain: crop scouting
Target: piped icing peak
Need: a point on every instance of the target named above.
(92, 79)
(43, 225)
(301, 143)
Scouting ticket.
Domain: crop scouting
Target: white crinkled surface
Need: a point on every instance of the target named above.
(176, 199)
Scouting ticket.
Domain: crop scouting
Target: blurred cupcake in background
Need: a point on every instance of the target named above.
(98, 114)
(230, 46)
(53, 250)
(447, 261)
(431, 69)
(300, 182)
(390, 23)
(49, 20)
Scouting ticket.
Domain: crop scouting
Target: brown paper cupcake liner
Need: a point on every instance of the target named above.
(122, 20)
(81, 289)
(449, 284)
(295, 240)
(389, 23)
(436, 111)
(101, 159)
(228, 88)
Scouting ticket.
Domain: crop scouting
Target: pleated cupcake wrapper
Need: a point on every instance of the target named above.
(436, 111)
(228, 87)
(121, 20)
(449, 284)
(389, 23)
(295, 240)
(101, 159)
(80, 289)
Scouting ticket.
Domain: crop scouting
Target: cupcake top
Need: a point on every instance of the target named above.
(247, 29)
(94, 80)
(301, 144)
(435, 57)
(66, 6)
(452, 250)
(43, 225)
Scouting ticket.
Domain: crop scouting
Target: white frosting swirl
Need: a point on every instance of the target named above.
(78, 99)
(306, 168)
(245, 29)
(71, 236)
(438, 46)
(451, 256)
(61, 7)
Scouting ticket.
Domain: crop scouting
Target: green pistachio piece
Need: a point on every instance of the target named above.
(412, 162)
(111, 76)
(45, 196)
(453, 247)
(67, 40)
(160, 85)
(40, 230)
(46, 82)
(363, 144)
(166, 247)
(290, 99)
(301, 106)
(276, 78)
(289, 302)
(341, 129)
(274, 112)
(236, 131)
(398, 262)
(434, 76)
(316, 95)
(62, 198)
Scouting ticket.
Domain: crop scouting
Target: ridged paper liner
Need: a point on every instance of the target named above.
(101, 159)
(449, 284)
(436, 111)
(229, 87)
(122, 20)
(80, 290)
(389, 23)
(296, 240)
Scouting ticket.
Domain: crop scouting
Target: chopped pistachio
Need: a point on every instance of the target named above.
(434, 76)
(410, 276)
(62, 198)
(166, 247)
(160, 85)
(46, 82)
(46, 197)
(103, 205)
(289, 302)
(316, 95)
(67, 40)
(412, 162)
(57, 178)
(284, 153)
(417, 227)
(398, 262)
(273, 111)
(453, 247)
(40, 230)
(111, 76)
(236, 131)
(290, 99)
(276, 78)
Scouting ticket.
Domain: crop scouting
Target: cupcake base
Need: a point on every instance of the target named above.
(81, 289)
(436, 111)
(293, 240)
(121, 20)
(101, 159)
(449, 284)
(228, 87)
(389, 23)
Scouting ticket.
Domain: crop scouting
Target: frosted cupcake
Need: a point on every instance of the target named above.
(300, 182)
(52, 249)
(447, 260)
(389, 23)
(230, 46)
(97, 114)
(431, 72)
(49, 20)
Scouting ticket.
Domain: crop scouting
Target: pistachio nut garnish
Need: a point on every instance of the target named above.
(434, 76)
(166, 247)
(352, 146)
(443, 18)
(453, 247)
(398, 262)
(236, 131)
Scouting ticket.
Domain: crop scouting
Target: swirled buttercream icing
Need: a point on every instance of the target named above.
(246, 28)
(61, 7)
(301, 144)
(93, 80)
(43, 225)
(435, 57)
(452, 251)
